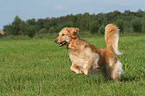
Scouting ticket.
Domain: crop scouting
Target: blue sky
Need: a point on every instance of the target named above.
(28, 9)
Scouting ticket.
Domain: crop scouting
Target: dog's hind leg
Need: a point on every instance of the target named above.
(113, 74)
(76, 69)
(115, 71)
(112, 70)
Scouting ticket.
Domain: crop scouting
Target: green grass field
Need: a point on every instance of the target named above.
(38, 67)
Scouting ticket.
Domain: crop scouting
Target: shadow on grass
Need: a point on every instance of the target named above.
(127, 79)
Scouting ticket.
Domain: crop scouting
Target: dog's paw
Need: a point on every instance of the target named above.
(78, 72)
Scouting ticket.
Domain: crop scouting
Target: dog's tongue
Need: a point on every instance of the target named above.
(60, 45)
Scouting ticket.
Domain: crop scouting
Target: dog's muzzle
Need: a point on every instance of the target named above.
(60, 43)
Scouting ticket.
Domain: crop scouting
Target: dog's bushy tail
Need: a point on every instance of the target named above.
(112, 38)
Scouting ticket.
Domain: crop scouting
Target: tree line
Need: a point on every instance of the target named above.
(129, 22)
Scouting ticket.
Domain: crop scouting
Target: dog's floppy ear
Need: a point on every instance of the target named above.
(74, 32)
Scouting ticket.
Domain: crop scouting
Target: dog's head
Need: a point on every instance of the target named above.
(66, 35)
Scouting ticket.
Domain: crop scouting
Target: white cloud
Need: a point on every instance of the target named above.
(43, 4)
(89, 1)
(119, 2)
(58, 7)
(97, 0)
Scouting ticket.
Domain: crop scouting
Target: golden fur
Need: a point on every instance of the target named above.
(88, 59)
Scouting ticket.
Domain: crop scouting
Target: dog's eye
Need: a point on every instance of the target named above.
(63, 34)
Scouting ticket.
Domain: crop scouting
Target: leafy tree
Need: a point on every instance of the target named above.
(126, 21)
(40, 24)
(102, 29)
(120, 24)
(137, 25)
(31, 31)
(23, 28)
(8, 29)
(31, 21)
(16, 26)
(127, 28)
(47, 23)
(144, 27)
(94, 26)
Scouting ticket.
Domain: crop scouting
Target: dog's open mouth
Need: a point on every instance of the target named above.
(62, 43)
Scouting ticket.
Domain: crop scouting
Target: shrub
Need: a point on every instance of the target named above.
(94, 26)
(102, 29)
(137, 25)
(42, 31)
(120, 24)
(31, 31)
(51, 30)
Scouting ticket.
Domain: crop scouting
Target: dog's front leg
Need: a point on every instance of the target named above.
(76, 69)
(87, 67)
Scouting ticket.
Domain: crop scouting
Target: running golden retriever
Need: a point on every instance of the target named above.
(88, 59)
